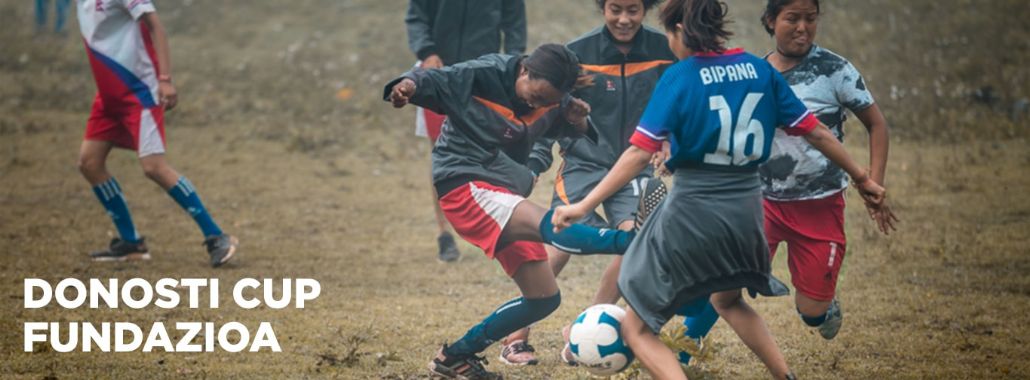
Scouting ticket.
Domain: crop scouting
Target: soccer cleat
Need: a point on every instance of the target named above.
(565, 355)
(221, 248)
(121, 250)
(834, 318)
(448, 249)
(653, 194)
(463, 368)
(518, 352)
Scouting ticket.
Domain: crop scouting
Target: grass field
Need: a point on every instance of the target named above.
(281, 127)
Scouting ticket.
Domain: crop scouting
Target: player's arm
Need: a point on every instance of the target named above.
(513, 25)
(879, 141)
(629, 165)
(419, 22)
(166, 90)
(874, 195)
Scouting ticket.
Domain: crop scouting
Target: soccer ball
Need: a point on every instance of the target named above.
(596, 343)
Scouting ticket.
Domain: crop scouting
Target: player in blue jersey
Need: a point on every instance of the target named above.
(719, 110)
(803, 190)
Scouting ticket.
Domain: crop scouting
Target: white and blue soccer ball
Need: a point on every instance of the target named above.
(596, 343)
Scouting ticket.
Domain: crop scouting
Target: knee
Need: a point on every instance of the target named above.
(725, 300)
(542, 307)
(89, 166)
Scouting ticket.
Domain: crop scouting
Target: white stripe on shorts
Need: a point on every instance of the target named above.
(498, 205)
(150, 141)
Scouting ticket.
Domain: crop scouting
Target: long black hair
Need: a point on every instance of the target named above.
(773, 9)
(704, 23)
(554, 63)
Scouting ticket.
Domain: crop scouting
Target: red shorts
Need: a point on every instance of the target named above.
(428, 123)
(129, 126)
(478, 211)
(814, 232)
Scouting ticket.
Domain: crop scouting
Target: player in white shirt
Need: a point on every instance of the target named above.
(128, 52)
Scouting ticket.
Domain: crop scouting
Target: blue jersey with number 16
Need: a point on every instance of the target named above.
(718, 112)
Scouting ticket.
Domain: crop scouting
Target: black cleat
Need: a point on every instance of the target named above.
(221, 248)
(464, 368)
(654, 191)
(121, 250)
(448, 248)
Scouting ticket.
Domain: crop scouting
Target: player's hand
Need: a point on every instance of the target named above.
(659, 158)
(564, 216)
(576, 112)
(167, 95)
(432, 62)
(402, 92)
(883, 216)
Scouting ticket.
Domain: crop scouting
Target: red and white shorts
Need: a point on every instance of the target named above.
(814, 232)
(478, 211)
(130, 126)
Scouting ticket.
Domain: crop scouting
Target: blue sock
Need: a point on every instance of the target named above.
(186, 196)
(813, 321)
(110, 195)
(585, 240)
(508, 318)
(701, 316)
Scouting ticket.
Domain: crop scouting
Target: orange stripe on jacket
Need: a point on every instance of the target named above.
(631, 68)
(559, 184)
(510, 115)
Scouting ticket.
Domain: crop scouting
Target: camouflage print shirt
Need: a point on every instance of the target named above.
(828, 85)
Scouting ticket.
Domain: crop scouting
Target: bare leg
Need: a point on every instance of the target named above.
(557, 259)
(810, 307)
(93, 161)
(157, 169)
(649, 349)
(608, 291)
(751, 329)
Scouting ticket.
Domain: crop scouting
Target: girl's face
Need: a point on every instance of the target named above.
(623, 18)
(794, 28)
(675, 38)
(536, 92)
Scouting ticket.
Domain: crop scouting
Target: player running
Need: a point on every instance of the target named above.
(128, 52)
(803, 190)
(497, 106)
(719, 109)
(625, 59)
(445, 32)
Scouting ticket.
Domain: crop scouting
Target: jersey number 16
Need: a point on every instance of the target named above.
(733, 142)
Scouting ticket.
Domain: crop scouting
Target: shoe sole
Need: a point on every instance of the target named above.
(130, 257)
(511, 363)
(233, 242)
(563, 359)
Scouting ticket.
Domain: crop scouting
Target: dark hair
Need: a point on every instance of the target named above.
(773, 9)
(554, 63)
(703, 23)
(648, 4)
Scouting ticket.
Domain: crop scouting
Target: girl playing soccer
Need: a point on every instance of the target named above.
(803, 190)
(719, 109)
(496, 107)
(625, 59)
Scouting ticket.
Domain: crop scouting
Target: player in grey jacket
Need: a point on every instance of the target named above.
(445, 32)
(496, 107)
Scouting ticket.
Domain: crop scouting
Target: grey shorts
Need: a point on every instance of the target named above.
(573, 185)
(707, 236)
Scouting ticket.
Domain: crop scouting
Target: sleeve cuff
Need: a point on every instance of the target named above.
(645, 142)
(804, 126)
(137, 8)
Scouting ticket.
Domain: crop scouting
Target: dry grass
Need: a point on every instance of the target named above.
(336, 190)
